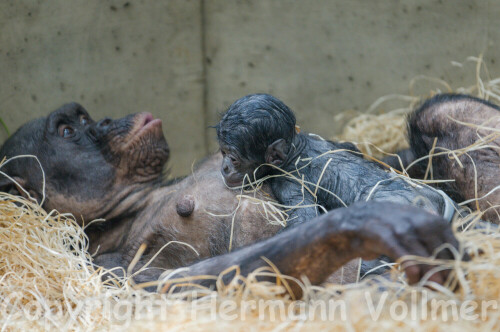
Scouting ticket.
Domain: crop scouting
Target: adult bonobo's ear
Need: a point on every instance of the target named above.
(17, 186)
(276, 152)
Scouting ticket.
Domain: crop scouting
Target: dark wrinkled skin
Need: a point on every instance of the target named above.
(344, 177)
(435, 119)
(366, 230)
(113, 170)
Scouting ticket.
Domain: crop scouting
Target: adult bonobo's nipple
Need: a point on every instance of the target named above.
(185, 206)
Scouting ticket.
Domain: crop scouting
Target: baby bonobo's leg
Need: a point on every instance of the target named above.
(457, 122)
(317, 248)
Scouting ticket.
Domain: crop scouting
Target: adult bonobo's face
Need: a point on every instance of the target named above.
(90, 167)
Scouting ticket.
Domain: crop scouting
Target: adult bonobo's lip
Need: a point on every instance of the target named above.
(145, 122)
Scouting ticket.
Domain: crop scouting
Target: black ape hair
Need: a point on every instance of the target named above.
(260, 129)
(253, 121)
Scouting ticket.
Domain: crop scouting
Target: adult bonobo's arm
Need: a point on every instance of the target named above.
(316, 249)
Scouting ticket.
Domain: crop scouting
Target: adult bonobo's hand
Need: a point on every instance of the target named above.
(319, 247)
(395, 230)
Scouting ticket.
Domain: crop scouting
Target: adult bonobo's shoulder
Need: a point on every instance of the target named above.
(448, 122)
(83, 161)
(446, 113)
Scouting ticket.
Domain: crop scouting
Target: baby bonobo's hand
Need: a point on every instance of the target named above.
(397, 230)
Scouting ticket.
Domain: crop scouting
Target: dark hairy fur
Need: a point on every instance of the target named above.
(260, 128)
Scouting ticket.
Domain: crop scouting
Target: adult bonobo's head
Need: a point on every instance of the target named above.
(256, 129)
(90, 167)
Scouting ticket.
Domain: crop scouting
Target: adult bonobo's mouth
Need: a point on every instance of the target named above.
(145, 124)
(135, 144)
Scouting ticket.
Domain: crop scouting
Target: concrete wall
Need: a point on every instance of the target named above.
(187, 60)
(114, 57)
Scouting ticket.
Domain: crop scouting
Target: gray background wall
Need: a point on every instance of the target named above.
(187, 60)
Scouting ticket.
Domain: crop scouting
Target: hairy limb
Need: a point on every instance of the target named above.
(317, 249)
(302, 205)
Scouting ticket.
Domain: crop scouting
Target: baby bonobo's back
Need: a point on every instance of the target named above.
(258, 137)
(329, 175)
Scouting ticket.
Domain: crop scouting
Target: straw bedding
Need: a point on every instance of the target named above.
(47, 280)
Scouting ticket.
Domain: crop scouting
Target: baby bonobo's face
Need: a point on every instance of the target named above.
(234, 167)
(254, 134)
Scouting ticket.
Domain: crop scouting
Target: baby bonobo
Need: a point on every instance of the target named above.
(258, 137)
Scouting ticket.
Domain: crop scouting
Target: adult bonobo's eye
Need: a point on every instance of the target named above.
(66, 131)
(84, 120)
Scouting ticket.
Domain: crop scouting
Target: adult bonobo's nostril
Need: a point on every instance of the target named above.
(104, 123)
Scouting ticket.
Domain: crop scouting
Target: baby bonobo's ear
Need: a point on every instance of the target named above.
(275, 153)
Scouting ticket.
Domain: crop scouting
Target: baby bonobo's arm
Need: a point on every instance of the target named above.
(316, 249)
(300, 203)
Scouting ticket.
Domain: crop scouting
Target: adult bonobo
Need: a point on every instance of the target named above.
(112, 169)
(470, 127)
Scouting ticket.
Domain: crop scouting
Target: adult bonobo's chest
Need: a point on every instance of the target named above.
(113, 169)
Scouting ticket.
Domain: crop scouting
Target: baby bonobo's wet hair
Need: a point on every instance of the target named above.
(255, 121)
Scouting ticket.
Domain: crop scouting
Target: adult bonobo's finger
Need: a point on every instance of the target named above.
(438, 277)
(434, 239)
(452, 240)
(434, 233)
(412, 270)
(447, 253)
(415, 271)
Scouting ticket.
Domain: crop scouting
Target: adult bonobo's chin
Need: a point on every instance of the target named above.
(86, 163)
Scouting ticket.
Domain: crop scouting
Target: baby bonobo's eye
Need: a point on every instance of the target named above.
(66, 131)
(234, 161)
(84, 120)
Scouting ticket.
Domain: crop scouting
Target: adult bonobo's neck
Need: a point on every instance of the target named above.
(120, 214)
(296, 150)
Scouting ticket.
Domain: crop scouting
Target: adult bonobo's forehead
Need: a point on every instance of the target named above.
(89, 166)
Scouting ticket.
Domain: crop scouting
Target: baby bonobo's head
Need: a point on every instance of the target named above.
(256, 129)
